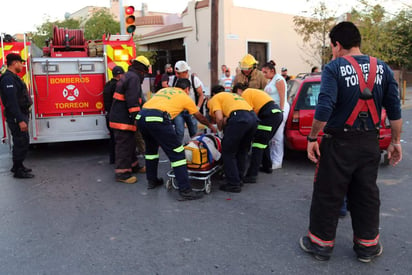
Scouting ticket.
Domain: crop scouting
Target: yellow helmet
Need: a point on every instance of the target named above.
(248, 62)
(143, 59)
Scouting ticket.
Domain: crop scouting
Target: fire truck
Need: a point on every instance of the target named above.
(65, 81)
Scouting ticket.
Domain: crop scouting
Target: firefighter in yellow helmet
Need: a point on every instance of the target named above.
(127, 101)
(249, 75)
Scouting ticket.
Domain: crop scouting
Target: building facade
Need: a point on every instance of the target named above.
(264, 34)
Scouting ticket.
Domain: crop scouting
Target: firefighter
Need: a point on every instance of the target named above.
(155, 123)
(127, 101)
(236, 118)
(270, 117)
(17, 103)
(348, 157)
(108, 92)
(249, 75)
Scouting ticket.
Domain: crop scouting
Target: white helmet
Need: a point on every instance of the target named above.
(181, 66)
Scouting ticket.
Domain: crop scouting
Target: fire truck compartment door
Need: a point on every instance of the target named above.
(68, 86)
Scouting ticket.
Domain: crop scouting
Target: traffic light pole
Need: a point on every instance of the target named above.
(121, 18)
(214, 40)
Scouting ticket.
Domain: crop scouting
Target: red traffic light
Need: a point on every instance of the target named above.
(129, 10)
(129, 19)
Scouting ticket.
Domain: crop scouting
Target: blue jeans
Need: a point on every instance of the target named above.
(179, 123)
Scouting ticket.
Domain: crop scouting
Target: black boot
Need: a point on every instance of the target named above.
(22, 174)
(17, 165)
(189, 195)
(154, 183)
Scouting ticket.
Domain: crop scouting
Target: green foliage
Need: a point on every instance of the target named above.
(101, 22)
(386, 36)
(388, 39)
(151, 55)
(314, 32)
(45, 30)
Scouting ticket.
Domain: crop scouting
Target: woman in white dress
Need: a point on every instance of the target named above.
(276, 88)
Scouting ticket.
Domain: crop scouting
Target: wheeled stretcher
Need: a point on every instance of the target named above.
(198, 175)
(202, 156)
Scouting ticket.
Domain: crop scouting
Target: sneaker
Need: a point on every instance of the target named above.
(267, 170)
(369, 258)
(249, 179)
(320, 253)
(126, 178)
(21, 174)
(25, 169)
(230, 188)
(139, 169)
(189, 194)
(276, 166)
(151, 184)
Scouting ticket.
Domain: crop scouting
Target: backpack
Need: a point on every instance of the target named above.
(192, 78)
(158, 86)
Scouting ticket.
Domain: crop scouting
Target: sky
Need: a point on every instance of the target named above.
(32, 13)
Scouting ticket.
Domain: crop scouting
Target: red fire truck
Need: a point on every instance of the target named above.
(66, 83)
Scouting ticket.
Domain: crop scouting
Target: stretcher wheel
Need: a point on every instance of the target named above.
(168, 184)
(385, 158)
(208, 187)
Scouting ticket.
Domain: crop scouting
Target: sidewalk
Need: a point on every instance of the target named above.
(407, 102)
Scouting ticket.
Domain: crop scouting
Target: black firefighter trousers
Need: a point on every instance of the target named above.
(348, 165)
(21, 143)
(270, 117)
(237, 137)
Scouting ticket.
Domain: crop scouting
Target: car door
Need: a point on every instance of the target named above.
(307, 99)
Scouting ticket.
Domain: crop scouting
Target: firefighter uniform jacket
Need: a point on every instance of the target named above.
(108, 93)
(15, 98)
(127, 100)
(255, 79)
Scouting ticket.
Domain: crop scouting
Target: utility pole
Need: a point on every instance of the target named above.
(214, 40)
(121, 18)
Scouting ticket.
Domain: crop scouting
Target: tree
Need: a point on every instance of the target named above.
(45, 30)
(314, 32)
(386, 38)
(101, 22)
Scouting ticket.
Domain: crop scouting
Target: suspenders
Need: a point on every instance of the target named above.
(365, 102)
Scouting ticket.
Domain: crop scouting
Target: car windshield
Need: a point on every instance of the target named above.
(293, 87)
(308, 96)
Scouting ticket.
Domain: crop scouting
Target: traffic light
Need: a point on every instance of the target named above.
(129, 19)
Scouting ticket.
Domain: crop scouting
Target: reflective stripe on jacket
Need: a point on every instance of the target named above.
(127, 100)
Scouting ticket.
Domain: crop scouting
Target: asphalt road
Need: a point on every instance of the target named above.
(73, 218)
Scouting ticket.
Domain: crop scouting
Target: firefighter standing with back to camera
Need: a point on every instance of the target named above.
(236, 118)
(127, 101)
(17, 103)
(108, 92)
(348, 158)
(155, 123)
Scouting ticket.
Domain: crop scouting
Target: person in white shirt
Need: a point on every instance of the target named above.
(276, 88)
(196, 93)
(227, 80)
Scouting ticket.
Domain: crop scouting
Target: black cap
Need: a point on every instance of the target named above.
(13, 57)
(117, 70)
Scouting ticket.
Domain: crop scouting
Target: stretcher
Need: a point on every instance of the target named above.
(201, 175)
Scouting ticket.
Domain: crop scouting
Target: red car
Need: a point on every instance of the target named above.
(303, 92)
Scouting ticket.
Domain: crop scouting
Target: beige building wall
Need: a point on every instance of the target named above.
(237, 27)
(197, 42)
